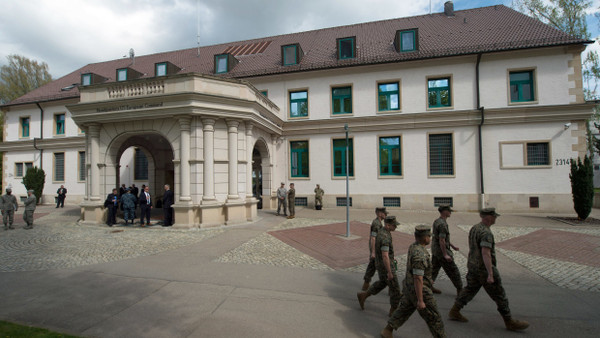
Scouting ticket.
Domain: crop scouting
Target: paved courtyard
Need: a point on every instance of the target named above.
(529, 245)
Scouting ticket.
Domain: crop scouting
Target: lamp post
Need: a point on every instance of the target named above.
(347, 184)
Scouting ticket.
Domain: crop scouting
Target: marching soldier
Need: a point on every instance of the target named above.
(482, 272)
(30, 203)
(386, 266)
(9, 206)
(376, 225)
(416, 291)
(441, 255)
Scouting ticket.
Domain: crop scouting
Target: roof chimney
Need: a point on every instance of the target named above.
(449, 8)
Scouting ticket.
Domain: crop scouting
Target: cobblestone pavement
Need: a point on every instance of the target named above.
(54, 244)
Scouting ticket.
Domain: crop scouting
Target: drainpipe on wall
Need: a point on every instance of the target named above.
(41, 136)
(482, 110)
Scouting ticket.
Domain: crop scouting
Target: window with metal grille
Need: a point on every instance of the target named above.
(82, 169)
(441, 156)
(437, 201)
(59, 167)
(538, 153)
(301, 201)
(299, 158)
(341, 201)
(21, 168)
(140, 165)
(391, 202)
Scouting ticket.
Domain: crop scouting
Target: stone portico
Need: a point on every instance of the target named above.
(200, 134)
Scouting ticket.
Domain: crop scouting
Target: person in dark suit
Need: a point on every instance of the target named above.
(168, 200)
(112, 203)
(62, 194)
(145, 206)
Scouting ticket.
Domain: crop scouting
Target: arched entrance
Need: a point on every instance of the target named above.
(140, 158)
(261, 174)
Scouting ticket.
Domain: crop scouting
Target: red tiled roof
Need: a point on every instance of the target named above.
(479, 30)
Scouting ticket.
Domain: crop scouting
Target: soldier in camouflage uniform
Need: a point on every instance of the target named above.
(416, 291)
(8, 204)
(29, 209)
(386, 266)
(376, 225)
(441, 255)
(482, 272)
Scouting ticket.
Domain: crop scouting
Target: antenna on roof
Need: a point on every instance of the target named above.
(198, 16)
(132, 55)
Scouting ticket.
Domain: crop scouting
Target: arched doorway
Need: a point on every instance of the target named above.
(261, 174)
(148, 157)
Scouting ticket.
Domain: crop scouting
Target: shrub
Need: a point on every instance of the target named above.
(35, 179)
(582, 186)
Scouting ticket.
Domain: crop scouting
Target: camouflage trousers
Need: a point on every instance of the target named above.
(370, 270)
(393, 286)
(8, 217)
(291, 206)
(408, 305)
(476, 280)
(28, 217)
(450, 269)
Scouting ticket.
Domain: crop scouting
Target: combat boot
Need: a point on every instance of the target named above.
(455, 314)
(435, 290)
(365, 286)
(387, 332)
(515, 325)
(362, 296)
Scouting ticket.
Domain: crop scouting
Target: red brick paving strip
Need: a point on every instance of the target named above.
(18, 220)
(561, 245)
(323, 242)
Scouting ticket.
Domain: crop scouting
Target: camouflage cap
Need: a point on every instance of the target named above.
(381, 209)
(391, 220)
(422, 230)
(488, 211)
(445, 207)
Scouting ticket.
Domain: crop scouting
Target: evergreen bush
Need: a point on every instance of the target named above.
(582, 186)
(35, 178)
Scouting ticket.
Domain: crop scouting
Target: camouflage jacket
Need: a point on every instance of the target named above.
(480, 236)
(440, 230)
(418, 263)
(383, 242)
(375, 227)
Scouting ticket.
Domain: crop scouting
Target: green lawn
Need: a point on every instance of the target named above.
(10, 330)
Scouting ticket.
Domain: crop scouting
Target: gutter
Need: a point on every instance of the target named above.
(41, 135)
(482, 110)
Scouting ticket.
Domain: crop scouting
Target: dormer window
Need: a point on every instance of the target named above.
(346, 48)
(406, 40)
(224, 63)
(291, 54)
(122, 74)
(161, 69)
(86, 79)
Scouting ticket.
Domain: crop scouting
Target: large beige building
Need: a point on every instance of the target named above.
(475, 107)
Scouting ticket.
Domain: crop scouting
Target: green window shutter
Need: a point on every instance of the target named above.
(342, 100)
(390, 163)
(389, 96)
(299, 159)
(339, 157)
(441, 156)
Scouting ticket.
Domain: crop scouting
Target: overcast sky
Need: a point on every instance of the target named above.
(69, 34)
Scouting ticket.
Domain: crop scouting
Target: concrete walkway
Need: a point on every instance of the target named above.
(278, 277)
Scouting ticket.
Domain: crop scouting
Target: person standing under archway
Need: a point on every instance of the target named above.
(168, 200)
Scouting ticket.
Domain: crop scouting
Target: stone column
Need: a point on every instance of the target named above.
(232, 147)
(249, 150)
(94, 136)
(208, 128)
(184, 149)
